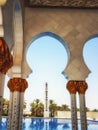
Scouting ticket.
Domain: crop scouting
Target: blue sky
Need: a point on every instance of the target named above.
(91, 58)
(47, 58)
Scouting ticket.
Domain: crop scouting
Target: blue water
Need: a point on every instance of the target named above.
(49, 124)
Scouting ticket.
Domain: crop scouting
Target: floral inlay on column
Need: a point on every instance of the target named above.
(72, 88)
(82, 87)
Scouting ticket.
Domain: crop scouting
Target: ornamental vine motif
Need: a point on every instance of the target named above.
(74, 86)
(63, 3)
(6, 59)
(17, 84)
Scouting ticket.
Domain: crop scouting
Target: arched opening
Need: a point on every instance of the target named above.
(90, 54)
(47, 56)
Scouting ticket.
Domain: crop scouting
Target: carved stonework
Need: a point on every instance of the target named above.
(63, 3)
(7, 64)
(17, 84)
(82, 87)
(6, 59)
(72, 86)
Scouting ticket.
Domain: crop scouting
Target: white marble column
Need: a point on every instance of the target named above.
(15, 111)
(17, 86)
(72, 88)
(10, 111)
(74, 112)
(83, 112)
(21, 110)
(82, 87)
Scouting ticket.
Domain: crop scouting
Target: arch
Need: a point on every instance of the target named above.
(93, 36)
(44, 75)
(57, 37)
(92, 64)
(88, 41)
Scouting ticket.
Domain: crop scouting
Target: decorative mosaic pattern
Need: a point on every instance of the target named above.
(63, 3)
(83, 112)
(17, 87)
(74, 86)
(15, 112)
(73, 112)
(21, 110)
(10, 112)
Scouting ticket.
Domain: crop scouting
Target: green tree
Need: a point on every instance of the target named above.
(95, 110)
(33, 108)
(37, 108)
(5, 107)
(87, 109)
(40, 110)
(78, 109)
(65, 107)
(52, 107)
(24, 105)
(59, 108)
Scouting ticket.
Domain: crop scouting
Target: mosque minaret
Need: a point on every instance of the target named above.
(46, 105)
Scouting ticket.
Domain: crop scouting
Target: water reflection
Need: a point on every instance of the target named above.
(37, 124)
(53, 124)
(3, 124)
(48, 124)
(45, 124)
(65, 126)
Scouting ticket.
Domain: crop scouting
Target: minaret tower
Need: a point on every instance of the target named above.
(46, 105)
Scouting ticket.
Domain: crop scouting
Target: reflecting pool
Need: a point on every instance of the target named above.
(49, 124)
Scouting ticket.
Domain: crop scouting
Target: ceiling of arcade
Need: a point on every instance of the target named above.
(74, 26)
(62, 3)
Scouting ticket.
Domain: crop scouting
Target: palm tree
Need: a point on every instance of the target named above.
(78, 109)
(24, 105)
(5, 106)
(65, 107)
(95, 110)
(33, 108)
(37, 101)
(37, 108)
(52, 108)
(87, 109)
(40, 110)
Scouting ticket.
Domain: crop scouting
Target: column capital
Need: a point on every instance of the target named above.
(72, 86)
(6, 59)
(17, 84)
(82, 87)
